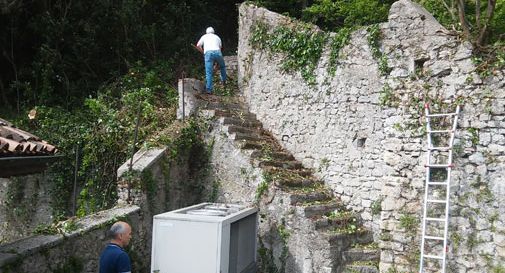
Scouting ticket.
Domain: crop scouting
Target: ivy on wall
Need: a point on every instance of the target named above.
(301, 46)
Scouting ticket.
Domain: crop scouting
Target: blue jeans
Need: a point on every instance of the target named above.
(212, 56)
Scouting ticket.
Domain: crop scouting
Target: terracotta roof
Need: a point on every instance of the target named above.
(15, 142)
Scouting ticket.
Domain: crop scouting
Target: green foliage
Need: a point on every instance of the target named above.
(267, 262)
(408, 222)
(60, 52)
(376, 206)
(387, 97)
(474, 135)
(266, 259)
(301, 46)
(456, 239)
(338, 41)
(472, 240)
(440, 11)
(478, 28)
(102, 135)
(263, 186)
(61, 227)
(498, 269)
(334, 14)
(291, 8)
(490, 60)
(374, 36)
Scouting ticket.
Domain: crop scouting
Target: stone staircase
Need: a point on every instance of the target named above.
(351, 246)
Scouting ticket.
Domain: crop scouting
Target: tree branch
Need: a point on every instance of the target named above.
(462, 19)
(477, 13)
(491, 5)
(450, 9)
(7, 8)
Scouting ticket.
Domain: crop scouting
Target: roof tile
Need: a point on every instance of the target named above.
(16, 142)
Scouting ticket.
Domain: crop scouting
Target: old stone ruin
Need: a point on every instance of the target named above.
(335, 163)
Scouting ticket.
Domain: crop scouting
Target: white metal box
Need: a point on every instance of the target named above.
(205, 238)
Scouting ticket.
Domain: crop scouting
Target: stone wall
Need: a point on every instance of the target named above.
(77, 249)
(24, 204)
(361, 130)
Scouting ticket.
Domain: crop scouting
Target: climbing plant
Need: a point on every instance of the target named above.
(301, 47)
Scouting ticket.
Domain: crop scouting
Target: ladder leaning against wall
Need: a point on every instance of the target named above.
(440, 131)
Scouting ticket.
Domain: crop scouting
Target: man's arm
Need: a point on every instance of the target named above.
(197, 47)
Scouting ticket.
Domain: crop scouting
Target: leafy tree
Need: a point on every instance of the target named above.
(481, 21)
(59, 52)
(292, 8)
(334, 14)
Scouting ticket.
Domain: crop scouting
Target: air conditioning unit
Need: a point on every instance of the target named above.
(205, 238)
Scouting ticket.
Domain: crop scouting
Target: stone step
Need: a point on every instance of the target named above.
(304, 197)
(249, 145)
(291, 165)
(240, 122)
(360, 254)
(319, 209)
(244, 136)
(241, 129)
(273, 155)
(361, 269)
(213, 105)
(296, 183)
(234, 113)
(287, 173)
(337, 220)
(345, 240)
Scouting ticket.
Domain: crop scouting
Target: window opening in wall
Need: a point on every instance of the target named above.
(419, 65)
(361, 142)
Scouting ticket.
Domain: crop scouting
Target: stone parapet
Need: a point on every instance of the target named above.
(75, 249)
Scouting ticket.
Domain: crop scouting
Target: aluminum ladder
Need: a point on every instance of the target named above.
(438, 180)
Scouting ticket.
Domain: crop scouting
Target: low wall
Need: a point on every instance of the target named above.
(24, 204)
(75, 247)
(361, 129)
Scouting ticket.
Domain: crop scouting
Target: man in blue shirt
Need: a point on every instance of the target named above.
(114, 258)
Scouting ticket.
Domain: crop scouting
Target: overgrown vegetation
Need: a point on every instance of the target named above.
(480, 22)
(61, 52)
(374, 36)
(301, 46)
(267, 260)
(100, 136)
(337, 42)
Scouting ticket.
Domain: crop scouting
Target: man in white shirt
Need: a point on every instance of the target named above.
(210, 45)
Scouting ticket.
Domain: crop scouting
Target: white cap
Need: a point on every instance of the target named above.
(209, 30)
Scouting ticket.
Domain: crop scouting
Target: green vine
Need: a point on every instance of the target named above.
(302, 47)
(267, 261)
(262, 188)
(338, 41)
(374, 36)
(387, 97)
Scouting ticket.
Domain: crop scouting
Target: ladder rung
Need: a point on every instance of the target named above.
(437, 183)
(440, 148)
(434, 238)
(435, 219)
(441, 115)
(439, 165)
(440, 131)
(436, 201)
(434, 257)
